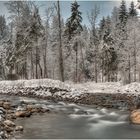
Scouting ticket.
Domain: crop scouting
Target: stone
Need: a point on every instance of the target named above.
(33, 108)
(2, 117)
(10, 111)
(2, 111)
(11, 116)
(44, 110)
(19, 128)
(30, 107)
(6, 105)
(1, 103)
(23, 114)
(9, 129)
(21, 108)
(9, 123)
(2, 134)
(135, 116)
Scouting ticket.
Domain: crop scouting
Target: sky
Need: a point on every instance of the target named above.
(85, 6)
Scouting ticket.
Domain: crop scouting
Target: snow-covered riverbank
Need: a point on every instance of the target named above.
(103, 94)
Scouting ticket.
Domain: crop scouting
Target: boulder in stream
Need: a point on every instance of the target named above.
(6, 105)
(135, 116)
(23, 114)
(19, 128)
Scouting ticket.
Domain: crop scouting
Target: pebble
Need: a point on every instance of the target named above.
(19, 128)
(9, 123)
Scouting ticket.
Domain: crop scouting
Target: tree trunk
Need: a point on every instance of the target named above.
(135, 59)
(40, 70)
(26, 75)
(96, 71)
(76, 68)
(32, 65)
(61, 66)
(139, 73)
(83, 61)
(45, 57)
(36, 63)
(129, 67)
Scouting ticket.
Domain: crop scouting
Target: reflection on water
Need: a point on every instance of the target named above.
(74, 121)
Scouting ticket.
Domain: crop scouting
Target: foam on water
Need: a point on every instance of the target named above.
(107, 122)
(104, 110)
(113, 114)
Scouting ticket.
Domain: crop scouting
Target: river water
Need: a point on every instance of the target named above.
(66, 121)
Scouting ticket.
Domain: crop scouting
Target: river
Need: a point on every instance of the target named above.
(67, 121)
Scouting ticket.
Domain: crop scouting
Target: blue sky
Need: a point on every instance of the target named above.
(85, 6)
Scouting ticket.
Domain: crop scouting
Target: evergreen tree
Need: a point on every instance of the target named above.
(115, 16)
(109, 62)
(107, 35)
(123, 15)
(102, 27)
(132, 10)
(2, 27)
(73, 24)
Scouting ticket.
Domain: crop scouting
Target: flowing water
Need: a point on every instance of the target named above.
(76, 121)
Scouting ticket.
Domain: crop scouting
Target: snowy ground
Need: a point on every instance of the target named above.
(89, 87)
(108, 87)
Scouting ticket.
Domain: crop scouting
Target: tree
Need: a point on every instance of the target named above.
(133, 15)
(73, 29)
(73, 23)
(132, 10)
(2, 27)
(102, 28)
(28, 29)
(107, 38)
(15, 9)
(49, 15)
(123, 15)
(35, 33)
(94, 37)
(115, 16)
(61, 65)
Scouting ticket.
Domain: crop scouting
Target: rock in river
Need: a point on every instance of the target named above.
(19, 128)
(22, 114)
(6, 105)
(135, 116)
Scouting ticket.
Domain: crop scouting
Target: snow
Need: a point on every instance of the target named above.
(66, 90)
(108, 87)
(91, 87)
(34, 83)
(131, 88)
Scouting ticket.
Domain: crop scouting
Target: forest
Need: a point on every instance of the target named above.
(106, 51)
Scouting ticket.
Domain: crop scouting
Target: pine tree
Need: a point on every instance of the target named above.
(115, 16)
(102, 27)
(107, 34)
(109, 61)
(2, 27)
(73, 24)
(132, 10)
(123, 15)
